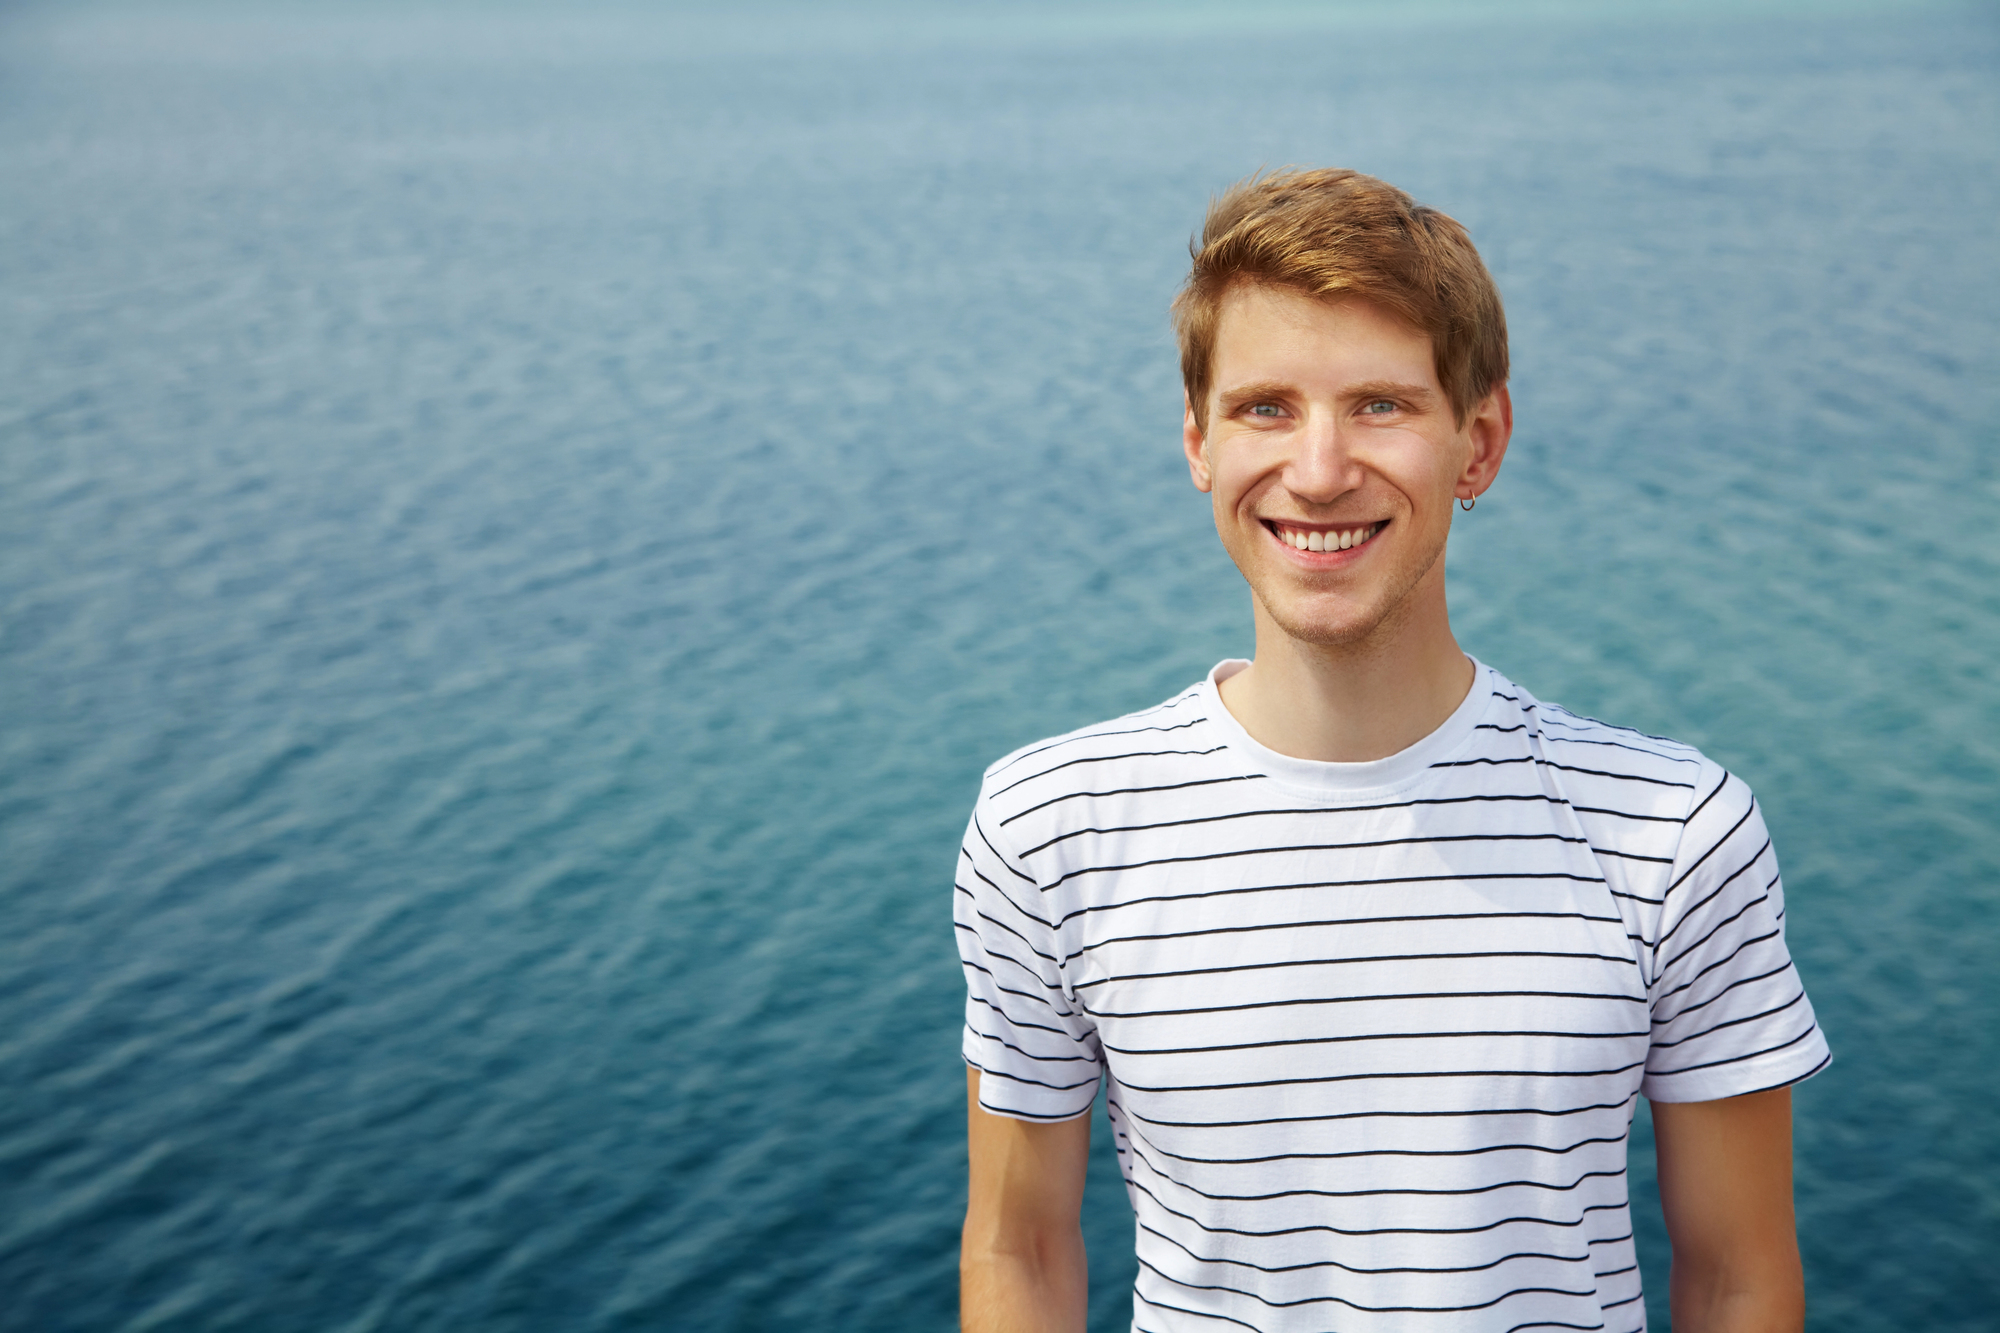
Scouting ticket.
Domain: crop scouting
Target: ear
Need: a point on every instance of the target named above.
(1491, 426)
(1196, 448)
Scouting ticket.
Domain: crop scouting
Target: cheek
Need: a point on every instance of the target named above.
(1423, 468)
(1241, 473)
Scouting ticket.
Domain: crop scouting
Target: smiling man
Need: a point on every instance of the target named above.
(1374, 952)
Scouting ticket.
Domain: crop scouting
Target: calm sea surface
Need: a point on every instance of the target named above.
(520, 528)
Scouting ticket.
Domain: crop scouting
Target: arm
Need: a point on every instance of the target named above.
(1021, 1264)
(1726, 1189)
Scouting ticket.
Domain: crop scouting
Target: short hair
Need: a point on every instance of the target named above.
(1331, 234)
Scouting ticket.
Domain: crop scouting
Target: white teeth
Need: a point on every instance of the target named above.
(1301, 540)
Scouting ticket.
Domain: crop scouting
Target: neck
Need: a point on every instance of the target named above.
(1350, 703)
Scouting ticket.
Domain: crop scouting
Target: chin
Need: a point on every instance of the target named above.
(1328, 630)
(1366, 611)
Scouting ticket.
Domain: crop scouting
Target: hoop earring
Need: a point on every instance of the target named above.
(1466, 505)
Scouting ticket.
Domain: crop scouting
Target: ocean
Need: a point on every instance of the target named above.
(520, 527)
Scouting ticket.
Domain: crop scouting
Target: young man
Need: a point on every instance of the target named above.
(1376, 951)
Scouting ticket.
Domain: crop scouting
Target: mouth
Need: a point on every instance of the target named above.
(1323, 537)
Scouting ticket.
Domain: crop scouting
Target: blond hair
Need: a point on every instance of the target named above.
(1333, 234)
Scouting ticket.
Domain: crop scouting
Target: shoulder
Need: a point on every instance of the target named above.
(1641, 797)
(1636, 767)
(1121, 750)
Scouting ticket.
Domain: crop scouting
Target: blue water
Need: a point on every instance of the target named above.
(520, 527)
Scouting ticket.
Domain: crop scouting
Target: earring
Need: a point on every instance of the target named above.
(1466, 505)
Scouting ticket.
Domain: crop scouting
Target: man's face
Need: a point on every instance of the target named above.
(1327, 428)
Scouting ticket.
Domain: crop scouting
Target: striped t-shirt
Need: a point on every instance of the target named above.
(1374, 1033)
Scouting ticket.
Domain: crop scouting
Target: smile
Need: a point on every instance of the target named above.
(1323, 539)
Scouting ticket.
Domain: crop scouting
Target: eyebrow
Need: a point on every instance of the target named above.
(1243, 393)
(1391, 389)
(1237, 395)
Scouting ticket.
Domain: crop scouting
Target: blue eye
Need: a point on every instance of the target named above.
(1379, 406)
(1264, 410)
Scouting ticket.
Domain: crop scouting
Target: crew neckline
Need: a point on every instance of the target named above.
(1339, 781)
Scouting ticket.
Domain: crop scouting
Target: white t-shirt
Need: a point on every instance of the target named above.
(1374, 1033)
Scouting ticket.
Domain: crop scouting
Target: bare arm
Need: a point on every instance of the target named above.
(1021, 1264)
(1726, 1189)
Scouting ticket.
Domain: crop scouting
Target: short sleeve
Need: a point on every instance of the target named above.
(1729, 1014)
(1036, 1050)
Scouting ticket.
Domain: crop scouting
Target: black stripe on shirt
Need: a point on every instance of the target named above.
(1038, 1059)
(1710, 897)
(1077, 740)
(998, 855)
(1129, 791)
(1748, 1018)
(1622, 814)
(984, 1072)
(1825, 1060)
(1555, 713)
(1365, 1272)
(1010, 1019)
(1620, 745)
(1372, 958)
(1543, 797)
(1723, 961)
(985, 916)
(1566, 768)
(1333, 884)
(1735, 1059)
(1004, 989)
(1328, 1229)
(1409, 1073)
(1683, 1012)
(1383, 1152)
(1365, 1309)
(1359, 999)
(1461, 1192)
(1333, 921)
(1317, 847)
(1618, 1105)
(1712, 847)
(1105, 759)
(1153, 1304)
(1376, 1036)
(1137, 1327)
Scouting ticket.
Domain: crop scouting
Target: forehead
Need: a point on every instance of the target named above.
(1276, 334)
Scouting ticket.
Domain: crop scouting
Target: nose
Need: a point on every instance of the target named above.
(1323, 467)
